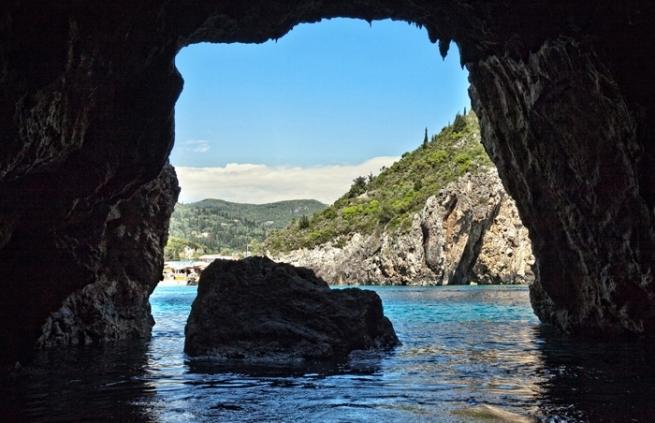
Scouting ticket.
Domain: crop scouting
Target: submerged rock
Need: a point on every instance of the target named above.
(256, 311)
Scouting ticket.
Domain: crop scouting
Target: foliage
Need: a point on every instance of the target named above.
(358, 187)
(182, 249)
(390, 200)
(217, 226)
(460, 122)
(303, 223)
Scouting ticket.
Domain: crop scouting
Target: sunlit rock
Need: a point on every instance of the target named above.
(469, 231)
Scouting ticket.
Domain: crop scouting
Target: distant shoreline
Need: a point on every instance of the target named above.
(170, 283)
(173, 282)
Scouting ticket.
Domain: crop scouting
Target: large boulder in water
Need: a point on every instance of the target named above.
(255, 311)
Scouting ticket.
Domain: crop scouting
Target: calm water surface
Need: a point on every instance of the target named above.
(463, 347)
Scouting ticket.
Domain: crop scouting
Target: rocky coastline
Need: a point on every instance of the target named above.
(469, 232)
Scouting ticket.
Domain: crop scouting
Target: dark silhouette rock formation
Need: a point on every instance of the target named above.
(564, 92)
(119, 254)
(255, 311)
(115, 306)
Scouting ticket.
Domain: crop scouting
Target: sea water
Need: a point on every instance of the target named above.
(467, 354)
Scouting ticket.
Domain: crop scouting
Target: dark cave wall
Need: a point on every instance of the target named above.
(87, 91)
(87, 123)
(115, 304)
(566, 143)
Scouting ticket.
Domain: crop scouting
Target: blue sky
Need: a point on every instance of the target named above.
(334, 94)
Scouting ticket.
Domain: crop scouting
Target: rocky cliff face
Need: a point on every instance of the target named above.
(563, 89)
(469, 232)
(115, 306)
(581, 182)
(506, 252)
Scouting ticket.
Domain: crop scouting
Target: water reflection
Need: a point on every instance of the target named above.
(596, 381)
(93, 384)
(466, 352)
(359, 363)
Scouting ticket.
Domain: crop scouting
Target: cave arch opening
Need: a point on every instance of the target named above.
(563, 92)
(564, 100)
(359, 94)
(301, 118)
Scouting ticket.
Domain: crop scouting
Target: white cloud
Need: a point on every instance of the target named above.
(256, 183)
(196, 146)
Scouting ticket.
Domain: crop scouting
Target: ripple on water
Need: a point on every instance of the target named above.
(468, 353)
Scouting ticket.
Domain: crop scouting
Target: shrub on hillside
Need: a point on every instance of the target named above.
(358, 187)
(303, 223)
(398, 193)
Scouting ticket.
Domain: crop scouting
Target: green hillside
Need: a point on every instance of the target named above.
(218, 226)
(389, 200)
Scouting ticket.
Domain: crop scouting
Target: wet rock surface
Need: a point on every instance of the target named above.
(115, 306)
(469, 231)
(571, 153)
(563, 90)
(258, 312)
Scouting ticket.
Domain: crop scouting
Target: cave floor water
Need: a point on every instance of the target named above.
(466, 351)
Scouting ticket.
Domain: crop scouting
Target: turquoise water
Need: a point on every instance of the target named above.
(463, 347)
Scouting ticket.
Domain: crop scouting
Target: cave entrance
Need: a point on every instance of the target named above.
(296, 121)
(320, 139)
(299, 119)
(564, 100)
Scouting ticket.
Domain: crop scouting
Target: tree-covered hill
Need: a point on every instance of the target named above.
(390, 200)
(218, 226)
